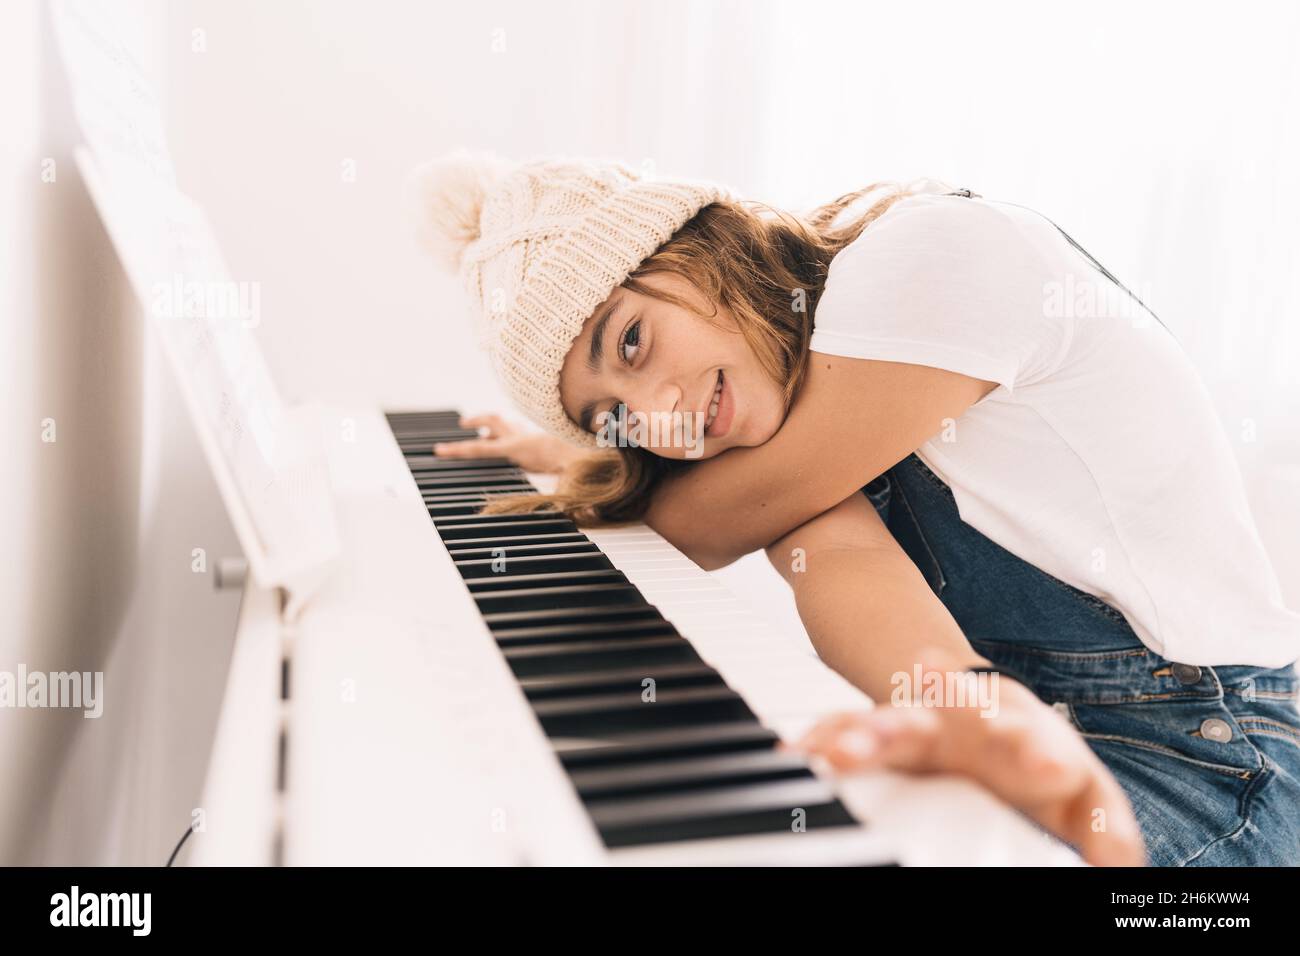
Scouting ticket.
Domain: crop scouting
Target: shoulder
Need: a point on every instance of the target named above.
(933, 231)
(948, 281)
(929, 250)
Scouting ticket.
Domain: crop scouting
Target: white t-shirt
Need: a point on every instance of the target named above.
(1100, 458)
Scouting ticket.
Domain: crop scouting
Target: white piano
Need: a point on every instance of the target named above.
(426, 707)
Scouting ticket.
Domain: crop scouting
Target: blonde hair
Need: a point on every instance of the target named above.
(754, 259)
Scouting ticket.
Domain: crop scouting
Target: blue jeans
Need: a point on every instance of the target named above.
(1208, 756)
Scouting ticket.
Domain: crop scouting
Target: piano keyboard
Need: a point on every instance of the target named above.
(658, 746)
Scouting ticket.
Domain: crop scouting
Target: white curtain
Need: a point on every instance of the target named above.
(1163, 136)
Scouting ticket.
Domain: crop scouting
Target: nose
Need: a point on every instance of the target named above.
(664, 397)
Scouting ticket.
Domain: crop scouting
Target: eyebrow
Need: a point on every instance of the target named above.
(595, 356)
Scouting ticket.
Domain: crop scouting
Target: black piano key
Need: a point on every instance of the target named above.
(403, 423)
(568, 657)
(567, 598)
(426, 479)
(513, 582)
(579, 635)
(428, 464)
(466, 483)
(439, 509)
(629, 681)
(517, 541)
(417, 431)
(486, 496)
(442, 511)
(672, 707)
(573, 615)
(621, 748)
(483, 526)
(685, 773)
(539, 517)
(420, 447)
(436, 434)
(472, 498)
(487, 493)
(431, 464)
(400, 422)
(475, 498)
(509, 551)
(398, 417)
(461, 493)
(763, 807)
(505, 565)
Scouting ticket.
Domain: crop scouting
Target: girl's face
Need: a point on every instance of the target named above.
(651, 373)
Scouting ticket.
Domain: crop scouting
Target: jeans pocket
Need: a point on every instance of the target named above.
(1264, 702)
(1200, 733)
(1190, 794)
(1271, 720)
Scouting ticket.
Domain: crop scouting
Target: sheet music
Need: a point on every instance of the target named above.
(268, 460)
(116, 106)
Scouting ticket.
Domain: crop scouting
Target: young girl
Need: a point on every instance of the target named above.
(961, 442)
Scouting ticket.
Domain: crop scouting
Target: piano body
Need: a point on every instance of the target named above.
(503, 690)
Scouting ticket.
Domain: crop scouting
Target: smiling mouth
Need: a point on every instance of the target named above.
(713, 402)
(721, 409)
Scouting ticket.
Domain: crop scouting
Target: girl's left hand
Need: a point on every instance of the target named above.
(1025, 753)
(529, 449)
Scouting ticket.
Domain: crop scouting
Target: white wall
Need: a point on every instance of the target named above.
(99, 524)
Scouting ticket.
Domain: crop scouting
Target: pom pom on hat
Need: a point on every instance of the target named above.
(445, 198)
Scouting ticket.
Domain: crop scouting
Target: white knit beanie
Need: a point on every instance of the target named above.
(539, 245)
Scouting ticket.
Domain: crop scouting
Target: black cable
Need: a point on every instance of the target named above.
(188, 830)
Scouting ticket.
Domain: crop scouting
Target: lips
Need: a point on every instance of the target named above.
(719, 423)
(711, 406)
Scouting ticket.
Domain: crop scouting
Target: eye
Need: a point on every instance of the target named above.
(619, 415)
(630, 342)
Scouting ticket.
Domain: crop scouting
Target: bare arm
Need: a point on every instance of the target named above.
(852, 420)
(867, 608)
(871, 615)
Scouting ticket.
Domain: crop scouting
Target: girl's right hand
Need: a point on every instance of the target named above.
(1025, 753)
(531, 450)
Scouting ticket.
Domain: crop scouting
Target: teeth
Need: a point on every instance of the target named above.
(713, 405)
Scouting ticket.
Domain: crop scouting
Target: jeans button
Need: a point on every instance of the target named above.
(1216, 729)
(1187, 673)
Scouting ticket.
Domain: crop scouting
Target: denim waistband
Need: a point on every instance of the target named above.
(1132, 675)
